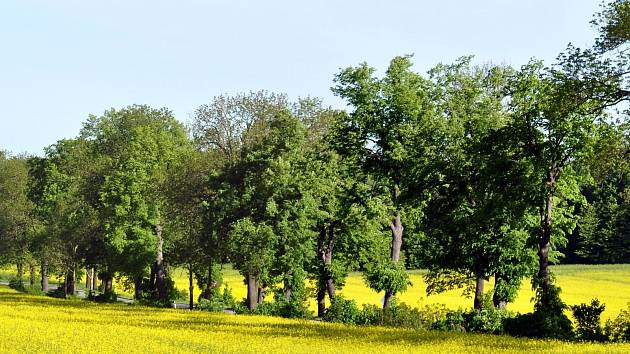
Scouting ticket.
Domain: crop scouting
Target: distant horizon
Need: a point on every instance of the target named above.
(68, 59)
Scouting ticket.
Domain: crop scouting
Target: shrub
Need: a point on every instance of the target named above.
(547, 321)
(16, 284)
(487, 320)
(454, 321)
(618, 329)
(588, 321)
(342, 310)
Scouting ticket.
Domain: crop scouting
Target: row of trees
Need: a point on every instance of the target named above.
(471, 172)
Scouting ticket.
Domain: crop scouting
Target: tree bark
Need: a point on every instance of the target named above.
(397, 238)
(160, 273)
(94, 278)
(325, 246)
(70, 281)
(252, 291)
(20, 272)
(137, 287)
(321, 301)
(498, 301)
(88, 279)
(191, 287)
(44, 276)
(478, 302)
(108, 283)
(262, 292)
(31, 268)
(207, 292)
(544, 246)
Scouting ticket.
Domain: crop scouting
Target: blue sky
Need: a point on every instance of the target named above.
(61, 60)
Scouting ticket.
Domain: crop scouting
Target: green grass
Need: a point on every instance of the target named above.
(37, 324)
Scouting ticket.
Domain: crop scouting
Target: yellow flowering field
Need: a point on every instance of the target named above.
(38, 324)
(579, 283)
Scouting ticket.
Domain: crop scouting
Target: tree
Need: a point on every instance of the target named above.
(137, 144)
(388, 121)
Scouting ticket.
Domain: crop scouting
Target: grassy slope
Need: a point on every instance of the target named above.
(34, 324)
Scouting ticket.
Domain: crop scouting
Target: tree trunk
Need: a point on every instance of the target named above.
(20, 272)
(137, 288)
(88, 279)
(397, 238)
(191, 287)
(544, 245)
(498, 300)
(44, 277)
(70, 282)
(478, 302)
(108, 283)
(160, 273)
(152, 277)
(207, 292)
(262, 292)
(321, 301)
(31, 278)
(94, 278)
(288, 289)
(252, 291)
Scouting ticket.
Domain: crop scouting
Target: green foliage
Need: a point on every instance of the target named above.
(387, 275)
(343, 310)
(218, 301)
(618, 329)
(588, 318)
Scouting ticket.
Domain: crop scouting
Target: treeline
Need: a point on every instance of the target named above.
(471, 172)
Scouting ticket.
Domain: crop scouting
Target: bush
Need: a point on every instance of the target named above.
(454, 321)
(588, 321)
(487, 320)
(547, 321)
(618, 329)
(342, 310)
(16, 284)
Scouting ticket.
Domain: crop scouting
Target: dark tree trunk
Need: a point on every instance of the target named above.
(31, 268)
(321, 301)
(207, 292)
(108, 283)
(325, 246)
(45, 276)
(88, 279)
(152, 277)
(478, 302)
(498, 300)
(252, 291)
(262, 292)
(160, 273)
(70, 281)
(288, 289)
(137, 288)
(20, 272)
(544, 244)
(397, 238)
(191, 287)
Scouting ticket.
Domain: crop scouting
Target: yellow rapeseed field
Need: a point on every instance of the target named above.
(579, 283)
(38, 324)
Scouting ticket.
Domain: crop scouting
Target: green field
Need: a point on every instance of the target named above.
(35, 324)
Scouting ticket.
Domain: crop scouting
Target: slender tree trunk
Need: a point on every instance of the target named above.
(159, 262)
(397, 238)
(325, 246)
(207, 292)
(108, 283)
(252, 291)
(70, 281)
(20, 272)
(31, 268)
(94, 278)
(321, 301)
(88, 279)
(45, 276)
(262, 292)
(498, 300)
(288, 288)
(152, 277)
(478, 302)
(191, 287)
(544, 245)
(137, 287)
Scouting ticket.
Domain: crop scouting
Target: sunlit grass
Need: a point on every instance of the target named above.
(37, 324)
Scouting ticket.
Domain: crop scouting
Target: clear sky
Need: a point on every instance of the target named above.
(61, 60)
